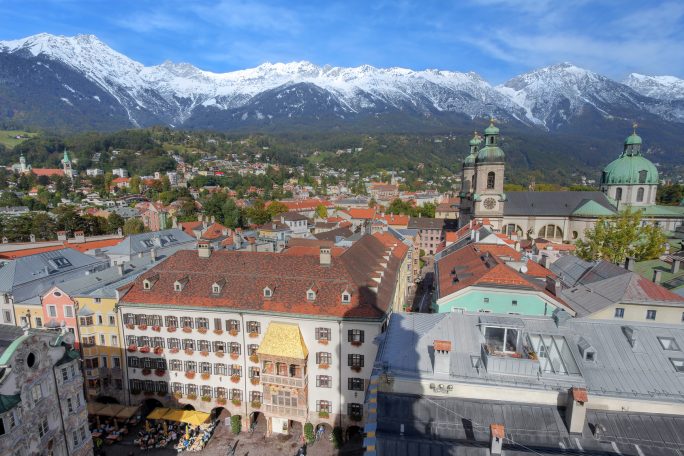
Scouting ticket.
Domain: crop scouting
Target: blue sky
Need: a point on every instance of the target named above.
(495, 38)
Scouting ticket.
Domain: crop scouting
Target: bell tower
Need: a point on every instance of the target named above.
(66, 165)
(488, 194)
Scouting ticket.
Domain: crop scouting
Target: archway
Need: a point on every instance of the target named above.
(219, 413)
(323, 431)
(188, 407)
(258, 423)
(150, 404)
(354, 432)
(106, 400)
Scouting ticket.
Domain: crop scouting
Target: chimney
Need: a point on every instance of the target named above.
(442, 356)
(203, 249)
(79, 236)
(576, 411)
(119, 231)
(32, 237)
(61, 236)
(236, 240)
(325, 256)
(544, 261)
(657, 273)
(120, 268)
(553, 285)
(632, 335)
(675, 266)
(153, 254)
(174, 222)
(496, 437)
(629, 263)
(477, 235)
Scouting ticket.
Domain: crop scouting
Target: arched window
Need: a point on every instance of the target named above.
(640, 195)
(513, 229)
(551, 232)
(491, 179)
(618, 194)
(642, 176)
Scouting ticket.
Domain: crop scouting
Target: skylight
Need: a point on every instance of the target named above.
(60, 262)
(668, 343)
(678, 364)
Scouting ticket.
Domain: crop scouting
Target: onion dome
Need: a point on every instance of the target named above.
(631, 167)
(475, 142)
(491, 152)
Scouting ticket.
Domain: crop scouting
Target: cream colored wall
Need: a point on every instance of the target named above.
(637, 313)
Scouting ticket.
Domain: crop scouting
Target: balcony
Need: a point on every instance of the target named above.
(514, 363)
(294, 382)
(285, 412)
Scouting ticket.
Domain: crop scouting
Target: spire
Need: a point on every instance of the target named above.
(66, 157)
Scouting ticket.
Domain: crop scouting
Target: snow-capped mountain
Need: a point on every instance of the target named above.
(660, 87)
(84, 82)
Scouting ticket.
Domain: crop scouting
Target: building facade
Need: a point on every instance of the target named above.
(285, 335)
(43, 410)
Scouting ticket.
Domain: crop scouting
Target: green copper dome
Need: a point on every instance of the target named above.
(477, 140)
(490, 154)
(491, 129)
(632, 139)
(630, 169)
(469, 161)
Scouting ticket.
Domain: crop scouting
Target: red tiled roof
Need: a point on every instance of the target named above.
(81, 247)
(363, 214)
(214, 231)
(47, 171)
(84, 246)
(642, 289)
(303, 205)
(247, 273)
(26, 252)
(188, 227)
(395, 219)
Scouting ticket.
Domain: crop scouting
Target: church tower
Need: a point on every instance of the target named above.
(488, 194)
(631, 179)
(467, 178)
(66, 165)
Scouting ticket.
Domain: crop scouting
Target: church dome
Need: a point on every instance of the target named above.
(469, 161)
(490, 154)
(491, 129)
(633, 139)
(630, 169)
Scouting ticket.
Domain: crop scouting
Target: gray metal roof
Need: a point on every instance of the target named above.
(144, 242)
(8, 334)
(32, 275)
(550, 203)
(450, 426)
(618, 370)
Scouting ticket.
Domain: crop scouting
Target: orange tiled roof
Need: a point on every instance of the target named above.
(290, 276)
(395, 219)
(215, 230)
(83, 246)
(47, 171)
(363, 214)
(26, 252)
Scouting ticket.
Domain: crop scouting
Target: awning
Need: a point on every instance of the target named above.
(94, 407)
(127, 412)
(110, 410)
(186, 416)
(158, 413)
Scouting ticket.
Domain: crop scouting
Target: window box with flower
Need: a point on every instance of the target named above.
(202, 330)
(236, 402)
(253, 334)
(234, 355)
(189, 351)
(160, 372)
(221, 400)
(206, 398)
(323, 341)
(146, 371)
(356, 368)
(158, 350)
(218, 332)
(192, 396)
(324, 414)
(323, 366)
(219, 354)
(356, 343)
(206, 375)
(204, 353)
(190, 374)
(187, 329)
(142, 326)
(130, 326)
(156, 328)
(256, 404)
(178, 395)
(254, 358)
(132, 348)
(145, 349)
(235, 378)
(174, 350)
(255, 380)
(171, 329)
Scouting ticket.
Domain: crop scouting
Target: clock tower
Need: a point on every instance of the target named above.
(488, 194)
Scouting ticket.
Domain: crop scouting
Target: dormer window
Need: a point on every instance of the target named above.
(268, 292)
(217, 286)
(179, 284)
(148, 282)
(346, 297)
(311, 295)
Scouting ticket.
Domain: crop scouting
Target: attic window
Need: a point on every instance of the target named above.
(147, 284)
(346, 298)
(311, 295)
(268, 292)
(216, 288)
(678, 364)
(668, 343)
(60, 262)
(178, 286)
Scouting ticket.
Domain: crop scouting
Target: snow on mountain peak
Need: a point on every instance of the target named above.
(659, 87)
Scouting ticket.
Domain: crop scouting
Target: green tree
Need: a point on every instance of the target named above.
(134, 184)
(108, 178)
(115, 221)
(276, 208)
(620, 236)
(309, 433)
(232, 215)
(165, 183)
(321, 211)
(257, 213)
(133, 226)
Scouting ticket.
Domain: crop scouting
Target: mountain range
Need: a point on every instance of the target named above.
(80, 83)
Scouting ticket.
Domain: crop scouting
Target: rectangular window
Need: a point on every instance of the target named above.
(355, 360)
(202, 322)
(219, 346)
(115, 341)
(233, 326)
(188, 344)
(220, 369)
(65, 374)
(217, 324)
(235, 348)
(171, 322)
(255, 396)
(203, 345)
(36, 393)
(191, 366)
(220, 391)
(252, 349)
(100, 321)
(355, 336)
(191, 389)
(103, 341)
(173, 342)
(323, 334)
(133, 361)
(158, 342)
(514, 302)
(323, 406)
(43, 428)
(116, 361)
(619, 312)
(323, 381)
(70, 405)
(253, 327)
(74, 436)
(236, 369)
(486, 300)
(175, 365)
(235, 394)
(7, 315)
(323, 358)
(39, 322)
(186, 322)
(112, 320)
(355, 384)
(205, 368)
(52, 311)
(650, 314)
(205, 391)
(254, 372)
(355, 410)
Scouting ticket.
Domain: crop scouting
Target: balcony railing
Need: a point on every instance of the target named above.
(282, 380)
(285, 412)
